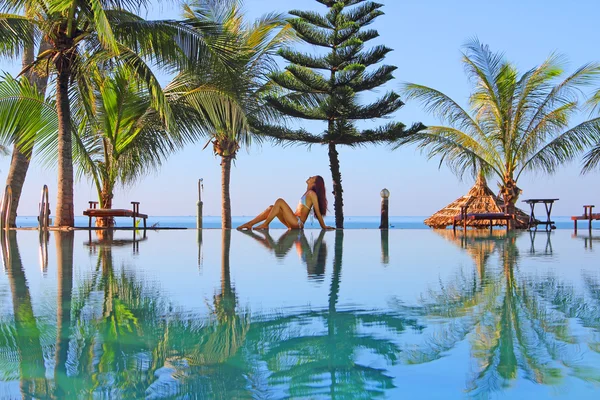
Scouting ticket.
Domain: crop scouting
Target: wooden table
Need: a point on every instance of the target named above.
(533, 223)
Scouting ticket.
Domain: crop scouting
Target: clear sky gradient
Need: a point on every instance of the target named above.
(426, 36)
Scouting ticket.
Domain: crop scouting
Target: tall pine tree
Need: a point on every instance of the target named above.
(326, 87)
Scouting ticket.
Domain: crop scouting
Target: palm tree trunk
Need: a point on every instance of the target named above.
(225, 199)
(510, 195)
(334, 165)
(106, 202)
(19, 164)
(225, 270)
(64, 204)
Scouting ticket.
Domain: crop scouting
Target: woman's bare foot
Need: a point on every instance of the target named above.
(261, 227)
(244, 227)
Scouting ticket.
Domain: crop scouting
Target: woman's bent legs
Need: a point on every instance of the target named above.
(259, 218)
(284, 213)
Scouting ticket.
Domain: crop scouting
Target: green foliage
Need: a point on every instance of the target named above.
(227, 96)
(591, 160)
(516, 123)
(25, 114)
(326, 87)
(336, 77)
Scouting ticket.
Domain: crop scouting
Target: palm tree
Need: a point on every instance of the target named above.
(83, 37)
(241, 85)
(124, 138)
(21, 157)
(591, 159)
(517, 122)
(118, 138)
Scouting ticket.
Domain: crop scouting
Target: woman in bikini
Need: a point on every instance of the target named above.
(314, 198)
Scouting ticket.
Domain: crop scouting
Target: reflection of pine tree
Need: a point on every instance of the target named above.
(311, 364)
(513, 323)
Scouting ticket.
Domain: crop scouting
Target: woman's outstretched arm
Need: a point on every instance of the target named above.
(315, 203)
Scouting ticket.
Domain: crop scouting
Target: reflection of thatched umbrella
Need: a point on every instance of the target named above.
(480, 199)
(479, 244)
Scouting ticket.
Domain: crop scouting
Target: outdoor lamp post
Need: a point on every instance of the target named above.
(385, 222)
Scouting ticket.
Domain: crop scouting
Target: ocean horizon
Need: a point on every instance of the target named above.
(214, 222)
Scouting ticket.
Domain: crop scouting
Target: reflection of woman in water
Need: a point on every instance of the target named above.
(314, 198)
(315, 256)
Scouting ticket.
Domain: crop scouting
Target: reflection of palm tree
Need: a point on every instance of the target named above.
(510, 325)
(27, 334)
(131, 326)
(205, 349)
(126, 327)
(231, 328)
(64, 263)
(314, 364)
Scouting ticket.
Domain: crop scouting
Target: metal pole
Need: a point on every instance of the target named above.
(385, 222)
(199, 204)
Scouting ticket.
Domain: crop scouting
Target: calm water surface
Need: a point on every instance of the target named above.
(354, 314)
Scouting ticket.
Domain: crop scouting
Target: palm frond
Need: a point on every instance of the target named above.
(457, 149)
(565, 91)
(24, 115)
(16, 32)
(444, 108)
(103, 27)
(564, 147)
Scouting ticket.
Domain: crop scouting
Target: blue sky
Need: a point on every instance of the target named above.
(426, 36)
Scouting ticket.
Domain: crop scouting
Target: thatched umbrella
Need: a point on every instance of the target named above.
(480, 199)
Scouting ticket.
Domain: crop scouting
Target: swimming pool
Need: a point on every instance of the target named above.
(345, 314)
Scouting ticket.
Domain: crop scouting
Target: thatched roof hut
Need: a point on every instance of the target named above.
(480, 200)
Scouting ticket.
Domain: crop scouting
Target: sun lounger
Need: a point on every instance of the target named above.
(94, 212)
(588, 215)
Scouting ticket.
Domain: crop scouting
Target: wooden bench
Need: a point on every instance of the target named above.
(464, 217)
(588, 215)
(94, 212)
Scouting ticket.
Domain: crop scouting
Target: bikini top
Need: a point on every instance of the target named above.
(303, 201)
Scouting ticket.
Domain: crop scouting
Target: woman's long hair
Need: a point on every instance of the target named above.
(319, 189)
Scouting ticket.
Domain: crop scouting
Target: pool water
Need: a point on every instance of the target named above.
(309, 315)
